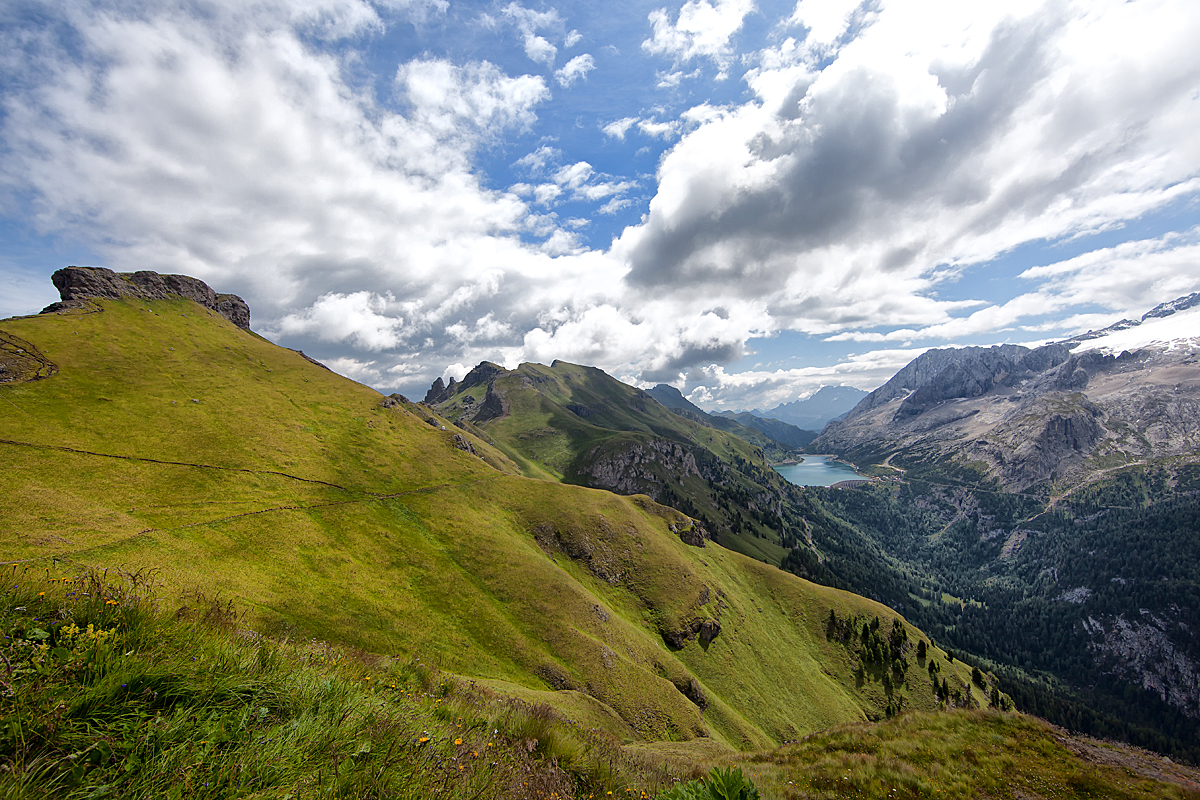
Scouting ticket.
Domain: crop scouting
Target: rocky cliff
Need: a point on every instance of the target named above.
(76, 284)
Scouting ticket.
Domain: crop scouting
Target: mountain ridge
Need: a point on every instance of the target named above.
(1036, 417)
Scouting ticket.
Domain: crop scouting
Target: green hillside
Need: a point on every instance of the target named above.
(170, 440)
(579, 425)
(106, 696)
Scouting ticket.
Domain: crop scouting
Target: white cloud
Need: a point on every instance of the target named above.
(355, 370)
(1133, 275)
(845, 194)
(573, 38)
(578, 67)
(614, 205)
(529, 22)
(618, 128)
(468, 102)
(357, 318)
(657, 128)
(669, 80)
(826, 20)
(537, 161)
(701, 29)
(573, 176)
(485, 329)
(767, 389)
(547, 193)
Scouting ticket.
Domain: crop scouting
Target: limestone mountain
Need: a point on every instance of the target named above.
(77, 285)
(1040, 419)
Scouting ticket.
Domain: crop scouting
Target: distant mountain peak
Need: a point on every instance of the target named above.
(1178, 304)
(1166, 325)
(672, 398)
(1040, 416)
(818, 409)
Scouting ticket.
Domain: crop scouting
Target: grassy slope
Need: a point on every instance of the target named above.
(234, 466)
(105, 696)
(964, 754)
(549, 440)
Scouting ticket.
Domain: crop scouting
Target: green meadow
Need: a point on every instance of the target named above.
(273, 513)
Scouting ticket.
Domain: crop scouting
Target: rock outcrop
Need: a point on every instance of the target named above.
(639, 467)
(77, 284)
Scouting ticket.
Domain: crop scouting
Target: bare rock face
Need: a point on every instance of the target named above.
(76, 284)
(1033, 417)
(640, 467)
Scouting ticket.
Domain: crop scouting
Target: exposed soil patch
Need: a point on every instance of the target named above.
(21, 362)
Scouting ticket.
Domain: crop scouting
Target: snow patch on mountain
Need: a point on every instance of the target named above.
(1178, 330)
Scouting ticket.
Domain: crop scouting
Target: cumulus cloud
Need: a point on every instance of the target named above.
(1126, 278)
(537, 47)
(359, 318)
(934, 141)
(826, 20)
(578, 67)
(701, 29)
(717, 388)
(354, 369)
(618, 128)
(230, 150)
(464, 103)
(578, 182)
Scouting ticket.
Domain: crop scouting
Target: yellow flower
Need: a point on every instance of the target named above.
(458, 740)
(423, 740)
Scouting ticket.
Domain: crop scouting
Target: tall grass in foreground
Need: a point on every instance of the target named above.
(102, 695)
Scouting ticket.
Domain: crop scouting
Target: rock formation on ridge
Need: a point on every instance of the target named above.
(76, 284)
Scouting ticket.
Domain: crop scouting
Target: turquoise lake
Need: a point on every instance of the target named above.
(817, 471)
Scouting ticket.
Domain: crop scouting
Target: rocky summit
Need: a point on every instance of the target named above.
(78, 284)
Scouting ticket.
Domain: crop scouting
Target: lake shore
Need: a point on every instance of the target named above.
(819, 470)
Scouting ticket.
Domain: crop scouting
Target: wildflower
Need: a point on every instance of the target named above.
(423, 740)
(458, 740)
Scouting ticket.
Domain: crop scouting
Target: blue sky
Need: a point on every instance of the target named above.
(745, 199)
